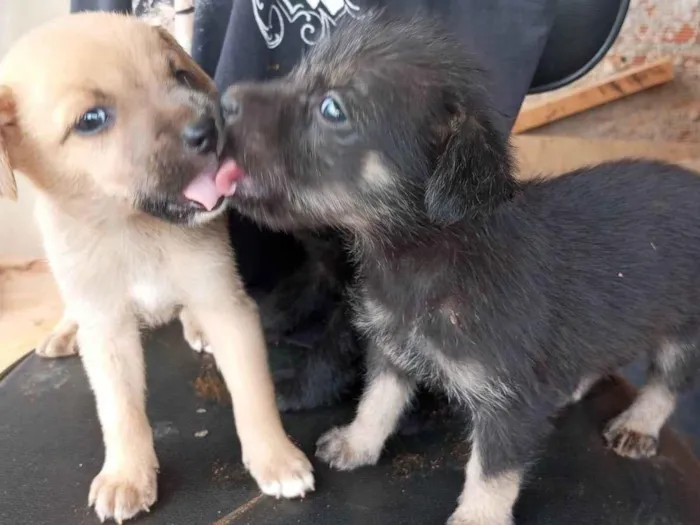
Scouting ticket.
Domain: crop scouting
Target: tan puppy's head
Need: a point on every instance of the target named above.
(102, 109)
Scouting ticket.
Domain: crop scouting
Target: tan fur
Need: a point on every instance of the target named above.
(119, 268)
(62, 341)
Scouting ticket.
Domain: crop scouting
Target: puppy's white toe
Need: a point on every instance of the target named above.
(193, 334)
(200, 345)
(343, 450)
(628, 442)
(462, 518)
(58, 344)
(289, 488)
(120, 496)
(284, 474)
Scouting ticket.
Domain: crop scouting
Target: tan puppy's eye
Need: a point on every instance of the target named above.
(183, 78)
(93, 121)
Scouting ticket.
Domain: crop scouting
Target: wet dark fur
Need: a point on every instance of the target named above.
(529, 286)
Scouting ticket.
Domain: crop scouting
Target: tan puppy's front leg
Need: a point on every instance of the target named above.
(232, 326)
(62, 341)
(113, 358)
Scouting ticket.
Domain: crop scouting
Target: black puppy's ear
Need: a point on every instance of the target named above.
(472, 174)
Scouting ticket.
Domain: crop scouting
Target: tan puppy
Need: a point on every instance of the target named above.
(118, 129)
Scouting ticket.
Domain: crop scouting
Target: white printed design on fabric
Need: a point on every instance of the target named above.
(318, 16)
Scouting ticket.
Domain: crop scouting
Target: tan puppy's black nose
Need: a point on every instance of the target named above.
(201, 135)
(230, 106)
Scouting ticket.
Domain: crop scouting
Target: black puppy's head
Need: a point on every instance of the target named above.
(387, 120)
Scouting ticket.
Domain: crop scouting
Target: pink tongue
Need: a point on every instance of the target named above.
(227, 177)
(209, 186)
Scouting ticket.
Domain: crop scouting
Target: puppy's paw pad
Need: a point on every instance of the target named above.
(338, 448)
(58, 344)
(285, 474)
(119, 497)
(630, 443)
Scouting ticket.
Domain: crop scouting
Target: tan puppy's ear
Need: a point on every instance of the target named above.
(8, 185)
(203, 81)
(168, 37)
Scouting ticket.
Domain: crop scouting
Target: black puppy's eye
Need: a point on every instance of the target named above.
(332, 110)
(92, 121)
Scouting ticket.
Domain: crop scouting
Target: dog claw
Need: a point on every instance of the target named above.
(289, 475)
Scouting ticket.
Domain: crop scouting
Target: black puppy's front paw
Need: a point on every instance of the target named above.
(343, 448)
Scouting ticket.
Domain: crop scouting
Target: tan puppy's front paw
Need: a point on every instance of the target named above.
(121, 496)
(457, 519)
(340, 448)
(198, 343)
(285, 472)
(61, 342)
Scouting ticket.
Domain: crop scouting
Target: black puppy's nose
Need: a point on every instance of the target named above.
(201, 135)
(230, 106)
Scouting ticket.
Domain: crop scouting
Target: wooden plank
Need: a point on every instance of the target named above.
(620, 85)
(540, 154)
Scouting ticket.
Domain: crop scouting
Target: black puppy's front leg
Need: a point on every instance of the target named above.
(504, 442)
(327, 371)
(385, 399)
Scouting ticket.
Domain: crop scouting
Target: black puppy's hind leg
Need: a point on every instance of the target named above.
(292, 301)
(635, 432)
(311, 290)
(325, 373)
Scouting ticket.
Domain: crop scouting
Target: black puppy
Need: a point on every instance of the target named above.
(510, 297)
